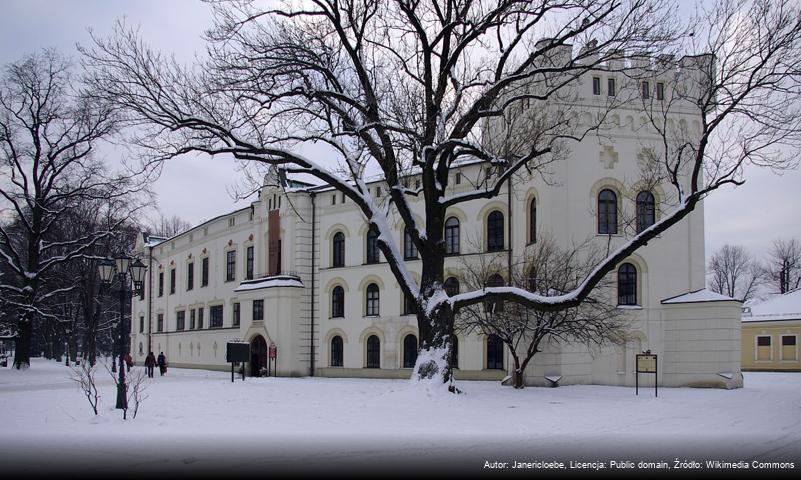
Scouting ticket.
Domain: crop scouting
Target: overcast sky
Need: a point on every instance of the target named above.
(768, 206)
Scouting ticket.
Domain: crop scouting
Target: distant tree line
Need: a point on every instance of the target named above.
(63, 207)
(736, 272)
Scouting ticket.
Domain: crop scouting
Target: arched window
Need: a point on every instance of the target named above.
(607, 212)
(372, 300)
(339, 250)
(452, 236)
(497, 305)
(454, 352)
(409, 248)
(337, 302)
(532, 221)
(494, 352)
(373, 352)
(627, 285)
(409, 351)
(141, 349)
(452, 286)
(495, 231)
(372, 245)
(337, 351)
(646, 210)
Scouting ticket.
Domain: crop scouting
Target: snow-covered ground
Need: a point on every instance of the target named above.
(199, 423)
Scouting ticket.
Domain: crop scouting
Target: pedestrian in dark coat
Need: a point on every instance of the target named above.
(150, 363)
(162, 361)
(129, 361)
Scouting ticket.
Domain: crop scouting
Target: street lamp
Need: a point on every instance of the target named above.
(124, 269)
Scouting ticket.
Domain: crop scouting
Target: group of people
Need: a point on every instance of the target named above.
(150, 363)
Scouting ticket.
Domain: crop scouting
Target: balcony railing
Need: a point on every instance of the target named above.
(283, 273)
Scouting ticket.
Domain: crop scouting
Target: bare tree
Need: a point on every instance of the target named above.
(784, 265)
(406, 88)
(136, 385)
(168, 227)
(49, 130)
(735, 272)
(84, 376)
(548, 270)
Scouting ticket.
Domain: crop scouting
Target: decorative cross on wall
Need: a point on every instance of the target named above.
(608, 157)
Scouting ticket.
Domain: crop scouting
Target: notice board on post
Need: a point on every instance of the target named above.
(236, 352)
(646, 363)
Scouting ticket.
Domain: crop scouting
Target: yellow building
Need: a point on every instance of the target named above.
(770, 334)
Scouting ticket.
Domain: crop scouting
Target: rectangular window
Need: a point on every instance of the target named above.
(180, 320)
(249, 264)
(161, 284)
(646, 90)
(372, 246)
(409, 248)
(235, 321)
(458, 179)
(409, 307)
(417, 184)
(232, 221)
(160, 323)
(204, 272)
(190, 276)
(763, 353)
(200, 317)
(596, 85)
(660, 91)
(373, 305)
(258, 310)
(172, 281)
(230, 266)
(192, 318)
(343, 198)
(334, 199)
(377, 192)
(216, 316)
(789, 350)
(610, 87)
(141, 324)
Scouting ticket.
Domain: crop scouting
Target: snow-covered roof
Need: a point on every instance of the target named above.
(379, 176)
(702, 295)
(270, 282)
(153, 240)
(780, 307)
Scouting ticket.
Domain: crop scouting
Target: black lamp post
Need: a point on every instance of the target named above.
(127, 273)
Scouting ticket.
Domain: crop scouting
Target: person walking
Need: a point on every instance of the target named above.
(150, 363)
(162, 364)
(129, 361)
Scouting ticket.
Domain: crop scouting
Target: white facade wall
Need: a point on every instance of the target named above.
(696, 342)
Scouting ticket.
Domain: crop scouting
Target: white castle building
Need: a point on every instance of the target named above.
(299, 269)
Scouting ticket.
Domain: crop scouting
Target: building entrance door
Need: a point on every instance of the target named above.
(258, 356)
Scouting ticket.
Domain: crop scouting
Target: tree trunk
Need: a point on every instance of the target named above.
(91, 316)
(520, 367)
(517, 374)
(434, 358)
(22, 350)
